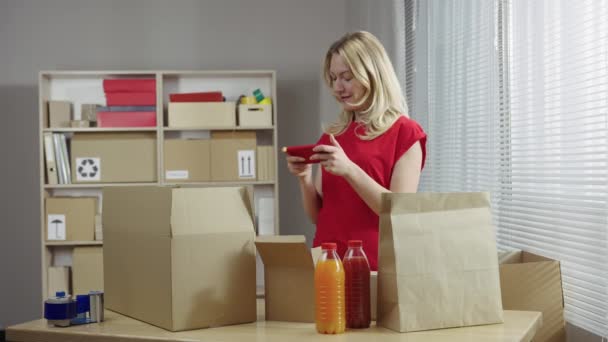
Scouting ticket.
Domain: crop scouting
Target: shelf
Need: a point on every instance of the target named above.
(97, 129)
(169, 129)
(73, 243)
(94, 185)
(235, 183)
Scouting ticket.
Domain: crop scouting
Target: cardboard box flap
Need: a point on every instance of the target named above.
(131, 213)
(210, 210)
(509, 257)
(517, 256)
(284, 251)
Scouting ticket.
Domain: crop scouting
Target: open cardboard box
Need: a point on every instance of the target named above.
(531, 282)
(289, 268)
(180, 258)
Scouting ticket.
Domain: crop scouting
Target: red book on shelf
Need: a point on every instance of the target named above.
(210, 96)
(126, 119)
(131, 99)
(130, 85)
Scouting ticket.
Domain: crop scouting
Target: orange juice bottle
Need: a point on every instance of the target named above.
(330, 308)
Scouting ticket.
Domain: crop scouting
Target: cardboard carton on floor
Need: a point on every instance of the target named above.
(87, 269)
(180, 258)
(289, 268)
(531, 282)
(70, 218)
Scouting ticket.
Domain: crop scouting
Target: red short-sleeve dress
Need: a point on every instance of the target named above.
(343, 214)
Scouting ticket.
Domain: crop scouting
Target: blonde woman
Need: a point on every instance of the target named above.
(372, 148)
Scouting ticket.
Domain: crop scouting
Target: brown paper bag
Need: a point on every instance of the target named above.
(437, 264)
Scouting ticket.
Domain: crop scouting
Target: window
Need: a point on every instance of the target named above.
(518, 105)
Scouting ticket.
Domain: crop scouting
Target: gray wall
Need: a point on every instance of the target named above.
(289, 36)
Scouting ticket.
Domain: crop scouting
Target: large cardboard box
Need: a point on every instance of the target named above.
(187, 160)
(201, 114)
(113, 157)
(233, 155)
(531, 282)
(180, 258)
(70, 218)
(87, 269)
(289, 267)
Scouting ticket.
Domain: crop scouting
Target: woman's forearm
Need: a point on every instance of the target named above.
(366, 187)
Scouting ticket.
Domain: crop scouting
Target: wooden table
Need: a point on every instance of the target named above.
(517, 326)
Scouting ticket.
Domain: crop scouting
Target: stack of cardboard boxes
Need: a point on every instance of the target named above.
(227, 156)
(73, 219)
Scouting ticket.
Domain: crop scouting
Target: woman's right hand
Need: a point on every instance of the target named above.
(297, 167)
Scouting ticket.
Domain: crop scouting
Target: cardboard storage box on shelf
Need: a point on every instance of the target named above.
(59, 113)
(87, 269)
(531, 282)
(254, 115)
(233, 155)
(58, 279)
(180, 258)
(187, 160)
(289, 268)
(201, 114)
(70, 218)
(113, 157)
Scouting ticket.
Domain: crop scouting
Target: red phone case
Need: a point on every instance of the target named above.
(304, 151)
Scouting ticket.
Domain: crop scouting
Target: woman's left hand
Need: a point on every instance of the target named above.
(333, 159)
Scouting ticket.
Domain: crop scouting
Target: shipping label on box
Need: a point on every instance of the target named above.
(56, 227)
(88, 169)
(246, 164)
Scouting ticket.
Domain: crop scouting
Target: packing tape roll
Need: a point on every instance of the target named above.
(249, 100)
(266, 100)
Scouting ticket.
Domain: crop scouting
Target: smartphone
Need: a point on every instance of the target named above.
(304, 151)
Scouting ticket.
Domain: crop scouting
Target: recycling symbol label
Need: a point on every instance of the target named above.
(88, 169)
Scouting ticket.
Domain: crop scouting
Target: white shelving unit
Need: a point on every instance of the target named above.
(81, 87)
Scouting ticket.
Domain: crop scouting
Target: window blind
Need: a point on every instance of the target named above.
(518, 106)
(554, 201)
(462, 96)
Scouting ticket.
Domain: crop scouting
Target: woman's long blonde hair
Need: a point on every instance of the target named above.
(371, 66)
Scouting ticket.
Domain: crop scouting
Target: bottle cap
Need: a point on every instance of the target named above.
(355, 243)
(329, 245)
